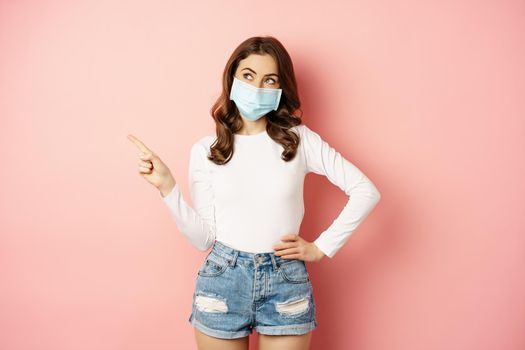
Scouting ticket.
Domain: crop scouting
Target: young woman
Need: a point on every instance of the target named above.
(246, 185)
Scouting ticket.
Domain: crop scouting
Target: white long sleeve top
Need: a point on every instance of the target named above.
(256, 198)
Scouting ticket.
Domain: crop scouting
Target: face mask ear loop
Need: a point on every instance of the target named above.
(278, 99)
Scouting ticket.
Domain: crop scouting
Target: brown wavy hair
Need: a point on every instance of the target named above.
(226, 115)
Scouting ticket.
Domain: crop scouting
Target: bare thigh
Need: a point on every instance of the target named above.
(206, 342)
(285, 342)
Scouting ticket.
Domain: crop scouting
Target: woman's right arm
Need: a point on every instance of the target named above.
(197, 223)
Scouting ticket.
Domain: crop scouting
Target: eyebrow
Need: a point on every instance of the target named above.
(256, 72)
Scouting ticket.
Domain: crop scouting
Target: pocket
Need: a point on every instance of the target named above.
(294, 271)
(213, 266)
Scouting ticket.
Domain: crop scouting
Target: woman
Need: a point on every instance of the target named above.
(246, 184)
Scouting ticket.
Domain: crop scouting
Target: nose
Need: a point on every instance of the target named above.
(258, 84)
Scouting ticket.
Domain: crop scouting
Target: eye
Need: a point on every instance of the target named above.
(273, 81)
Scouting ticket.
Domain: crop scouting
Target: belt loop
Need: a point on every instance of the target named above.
(234, 258)
(274, 262)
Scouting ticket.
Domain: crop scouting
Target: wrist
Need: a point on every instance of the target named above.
(320, 253)
(167, 188)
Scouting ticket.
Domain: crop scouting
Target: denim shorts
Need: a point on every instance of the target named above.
(238, 291)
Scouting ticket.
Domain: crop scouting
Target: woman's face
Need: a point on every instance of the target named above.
(259, 70)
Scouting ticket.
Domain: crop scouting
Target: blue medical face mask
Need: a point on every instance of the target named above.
(254, 102)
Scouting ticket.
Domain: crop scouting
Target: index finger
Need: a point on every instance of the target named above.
(141, 146)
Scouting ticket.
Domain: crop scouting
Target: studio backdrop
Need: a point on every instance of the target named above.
(426, 97)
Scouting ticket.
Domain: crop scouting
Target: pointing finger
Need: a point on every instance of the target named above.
(141, 146)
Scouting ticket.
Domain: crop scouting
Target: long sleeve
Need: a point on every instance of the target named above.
(198, 223)
(323, 159)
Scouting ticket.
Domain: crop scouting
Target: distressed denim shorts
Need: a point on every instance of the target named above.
(238, 291)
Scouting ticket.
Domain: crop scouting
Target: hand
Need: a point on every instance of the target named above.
(295, 247)
(153, 169)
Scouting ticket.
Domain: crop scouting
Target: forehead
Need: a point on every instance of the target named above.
(262, 64)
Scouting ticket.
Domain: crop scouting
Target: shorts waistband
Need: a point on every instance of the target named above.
(232, 254)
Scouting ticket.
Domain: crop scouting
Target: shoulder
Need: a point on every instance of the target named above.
(306, 133)
(202, 145)
(299, 129)
(303, 130)
(205, 141)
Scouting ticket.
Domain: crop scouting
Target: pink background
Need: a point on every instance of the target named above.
(426, 97)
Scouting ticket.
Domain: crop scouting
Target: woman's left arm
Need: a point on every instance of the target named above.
(363, 195)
